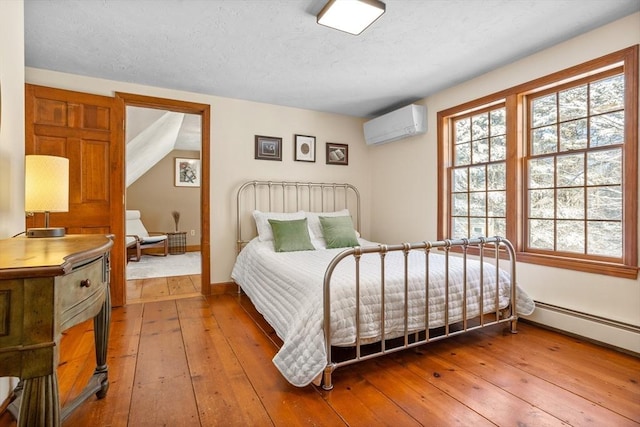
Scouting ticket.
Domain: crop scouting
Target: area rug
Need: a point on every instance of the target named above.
(159, 266)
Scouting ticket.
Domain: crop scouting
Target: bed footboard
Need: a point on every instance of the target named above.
(499, 250)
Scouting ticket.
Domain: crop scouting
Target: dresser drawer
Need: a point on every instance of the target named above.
(80, 293)
(11, 312)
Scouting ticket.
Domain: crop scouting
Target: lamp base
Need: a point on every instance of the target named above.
(45, 232)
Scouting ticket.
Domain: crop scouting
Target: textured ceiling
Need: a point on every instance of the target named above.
(273, 51)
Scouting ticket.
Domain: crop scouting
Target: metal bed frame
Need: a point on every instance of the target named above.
(294, 196)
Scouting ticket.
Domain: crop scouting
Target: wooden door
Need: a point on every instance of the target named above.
(86, 129)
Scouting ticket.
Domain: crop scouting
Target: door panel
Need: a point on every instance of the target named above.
(86, 129)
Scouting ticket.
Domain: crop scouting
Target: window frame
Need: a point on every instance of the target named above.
(515, 100)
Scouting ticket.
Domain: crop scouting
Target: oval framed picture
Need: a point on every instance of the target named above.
(305, 148)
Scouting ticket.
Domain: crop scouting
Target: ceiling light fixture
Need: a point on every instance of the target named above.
(351, 16)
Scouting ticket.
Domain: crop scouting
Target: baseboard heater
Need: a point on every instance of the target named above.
(621, 327)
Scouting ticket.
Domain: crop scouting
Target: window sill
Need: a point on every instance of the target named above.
(588, 266)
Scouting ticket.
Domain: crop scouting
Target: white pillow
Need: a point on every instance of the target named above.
(314, 222)
(262, 222)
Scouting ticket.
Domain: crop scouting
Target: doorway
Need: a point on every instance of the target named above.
(163, 134)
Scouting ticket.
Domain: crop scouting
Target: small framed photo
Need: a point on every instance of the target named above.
(337, 154)
(268, 148)
(187, 172)
(305, 147)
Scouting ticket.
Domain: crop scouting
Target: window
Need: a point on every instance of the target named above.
(551, 165)
(478, 176)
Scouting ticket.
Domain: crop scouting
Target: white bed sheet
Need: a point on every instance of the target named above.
(286, 288)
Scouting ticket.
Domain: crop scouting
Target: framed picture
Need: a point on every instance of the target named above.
(187, 172)
(337, 154)
(305, 147)
(268, 148)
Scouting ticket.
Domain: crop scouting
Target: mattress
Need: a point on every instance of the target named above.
(287, 289)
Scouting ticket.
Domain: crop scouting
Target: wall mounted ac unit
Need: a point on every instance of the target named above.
(402, 123)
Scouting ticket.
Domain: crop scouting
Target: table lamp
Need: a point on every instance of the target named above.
(46, 190)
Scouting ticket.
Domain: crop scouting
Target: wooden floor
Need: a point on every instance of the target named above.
(162, 288)
(207, 362)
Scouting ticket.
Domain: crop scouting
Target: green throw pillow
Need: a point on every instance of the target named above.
(290, 236)
(338, 231)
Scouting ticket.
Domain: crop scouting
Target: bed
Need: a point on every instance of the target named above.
(334, 304)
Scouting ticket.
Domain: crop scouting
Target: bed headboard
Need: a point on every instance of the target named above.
(289, 196)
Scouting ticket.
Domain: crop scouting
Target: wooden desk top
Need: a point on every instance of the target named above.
(23, 257)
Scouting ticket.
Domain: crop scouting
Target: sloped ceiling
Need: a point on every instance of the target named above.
(151, 134)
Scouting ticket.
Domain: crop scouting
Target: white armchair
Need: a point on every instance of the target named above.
(139, 239)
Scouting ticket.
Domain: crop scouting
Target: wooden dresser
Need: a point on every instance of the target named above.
(48, 285)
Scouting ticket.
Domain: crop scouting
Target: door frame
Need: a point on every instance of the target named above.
(204, 111)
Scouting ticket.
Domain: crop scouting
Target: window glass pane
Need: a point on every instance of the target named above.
(497, 176)
(498, 122)
(604, 167)
(604, 203)
(607, 94)
(573, 135)
(570, 203)
(463, 154)
(541, 234)
(497, 203)
(477, 178)
(478, 204)
(541, 172)
(480, 151)
(480, 126)
(497, 227)
(607, 129)
(544, 111)
(478, 227)
(460, 228)
(463, 130)
(604, 238)
(498, 148)
(573, 103)
(460, 180)
(570, 170)
(570, 237)
(460, 204)
(541, 204)
(544, 140)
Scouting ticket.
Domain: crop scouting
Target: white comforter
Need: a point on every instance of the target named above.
(286, 288)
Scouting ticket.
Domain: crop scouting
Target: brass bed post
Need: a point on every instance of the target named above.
(512, 264)
(481, 300)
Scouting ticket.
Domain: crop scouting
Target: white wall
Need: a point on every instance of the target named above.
(412, 164)
(11, 130)
(234, 123)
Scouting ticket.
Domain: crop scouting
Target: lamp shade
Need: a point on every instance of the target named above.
(46, 184)
(351, 16)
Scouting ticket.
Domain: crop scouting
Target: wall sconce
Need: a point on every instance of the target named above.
(46, 190)
(351, 16)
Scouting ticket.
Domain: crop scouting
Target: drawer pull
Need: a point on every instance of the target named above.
(85, 283)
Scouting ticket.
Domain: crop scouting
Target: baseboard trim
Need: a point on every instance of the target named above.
(621, 336)
(223, 288)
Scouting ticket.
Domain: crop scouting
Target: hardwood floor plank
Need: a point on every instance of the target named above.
(472, 391)
(180, 285)
(223, 393)
(163, 392)
(134, 289)
(113, 410)
(77, 345)
(544, 360)
(286, 404)
(154, 288)
(549, 397)
(417, 397)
